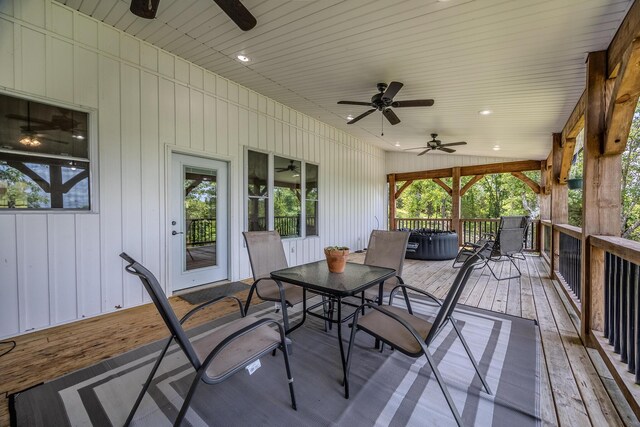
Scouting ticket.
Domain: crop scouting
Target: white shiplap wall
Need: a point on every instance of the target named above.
(58, 267)
(407, 162)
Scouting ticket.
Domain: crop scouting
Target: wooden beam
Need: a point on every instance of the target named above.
(600, 198)
(470, 184)
(576, 120)
(404, 187)
(431, 174)
(624, 99)
(628, 31)
(559, 205)
(506, 167)
(444, 186)
(455, 203)
(544, 201)
(534, 186)
(392, 200)
(568, 148)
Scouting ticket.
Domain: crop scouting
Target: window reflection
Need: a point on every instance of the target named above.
(287, 196)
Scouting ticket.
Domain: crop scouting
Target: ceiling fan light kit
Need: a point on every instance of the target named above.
(383, 102)
(436, 144)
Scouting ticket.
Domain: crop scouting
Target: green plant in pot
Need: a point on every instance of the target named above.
(336, 258)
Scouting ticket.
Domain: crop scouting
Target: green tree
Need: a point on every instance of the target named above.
(18, 188)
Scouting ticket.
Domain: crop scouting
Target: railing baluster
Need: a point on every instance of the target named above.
(631, 312)
(623, 310)
(616, 306)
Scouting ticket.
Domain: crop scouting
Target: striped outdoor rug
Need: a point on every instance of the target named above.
(386, 388)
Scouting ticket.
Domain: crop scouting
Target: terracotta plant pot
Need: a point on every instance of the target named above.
(336, 258)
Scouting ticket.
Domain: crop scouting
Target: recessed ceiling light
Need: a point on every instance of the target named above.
(496, 147)
(484, 112)
(397, 144)
(349, 117)
(243, 58)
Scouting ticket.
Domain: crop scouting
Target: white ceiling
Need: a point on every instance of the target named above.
(522, 59)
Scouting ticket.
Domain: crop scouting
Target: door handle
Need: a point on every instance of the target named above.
(174, 232)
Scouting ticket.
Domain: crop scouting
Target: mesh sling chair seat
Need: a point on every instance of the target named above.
(217, 355)
(412, 335)
(386, 249)
(506, 245)
(266, 254)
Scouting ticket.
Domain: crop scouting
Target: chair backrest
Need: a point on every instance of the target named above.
(387, 249)
(450, 301)
(266, 253)
(510, 235)
(161, 302)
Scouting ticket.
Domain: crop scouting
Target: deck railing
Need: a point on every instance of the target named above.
(201, 231)
(621, 293)
(472, 228)
(569, 256)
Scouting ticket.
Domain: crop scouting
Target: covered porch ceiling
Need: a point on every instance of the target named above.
(522, 60)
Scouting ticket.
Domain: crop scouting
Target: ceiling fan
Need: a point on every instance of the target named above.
(436, 144)
(384, 102)
(233, 8)
(290, 167)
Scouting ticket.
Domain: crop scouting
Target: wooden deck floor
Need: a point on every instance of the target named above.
(577, 390)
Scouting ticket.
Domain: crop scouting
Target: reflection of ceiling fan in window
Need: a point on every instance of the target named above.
(290, 167)
(59, 122)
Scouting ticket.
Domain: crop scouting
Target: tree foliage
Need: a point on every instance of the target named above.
(491, 197)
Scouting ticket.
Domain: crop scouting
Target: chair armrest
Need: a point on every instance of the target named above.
(208, 303)
(406, 296)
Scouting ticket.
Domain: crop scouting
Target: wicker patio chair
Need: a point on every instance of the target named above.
(413, 335)
(217, 355)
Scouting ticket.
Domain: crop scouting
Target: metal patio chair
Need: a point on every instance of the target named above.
(217, 355)
(386, 249)
(266, 254)
(413, 335)
(507, 244)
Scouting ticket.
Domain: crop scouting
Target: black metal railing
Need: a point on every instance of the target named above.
(201, 231)
(442, 224)
(547, 231)
(621, 317)
(569, 262)
(476, 228)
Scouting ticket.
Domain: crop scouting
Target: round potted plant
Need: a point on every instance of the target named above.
(336, 258)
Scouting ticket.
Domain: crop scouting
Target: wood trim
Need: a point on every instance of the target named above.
(404, 187)
(470, 184)
(618, 246)
(505, 167)
(569, 230)
(624, 99)
(444, 186)
(575, 122)
(392, 201)
(628, 31)
(534, 186)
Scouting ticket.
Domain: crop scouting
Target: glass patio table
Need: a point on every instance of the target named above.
(317, 278)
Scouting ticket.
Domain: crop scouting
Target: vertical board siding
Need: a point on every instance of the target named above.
(58, 267)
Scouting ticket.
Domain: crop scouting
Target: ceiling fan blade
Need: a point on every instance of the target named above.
(392, 90)
(413, 103)
(238, 13)
(144, 8)
(414, 148)
(451, 144)
(391, 116)
(446, 150)
(424, 152)
(361, 116)
(28, 119)
(354, 103)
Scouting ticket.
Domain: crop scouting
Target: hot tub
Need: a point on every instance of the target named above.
(432, 245)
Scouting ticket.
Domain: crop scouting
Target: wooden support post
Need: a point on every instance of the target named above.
(559, 197)
(600, 197)
(392, 201)
(455, 203)
(544, 198)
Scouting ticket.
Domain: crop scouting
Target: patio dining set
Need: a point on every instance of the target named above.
(370, 297)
